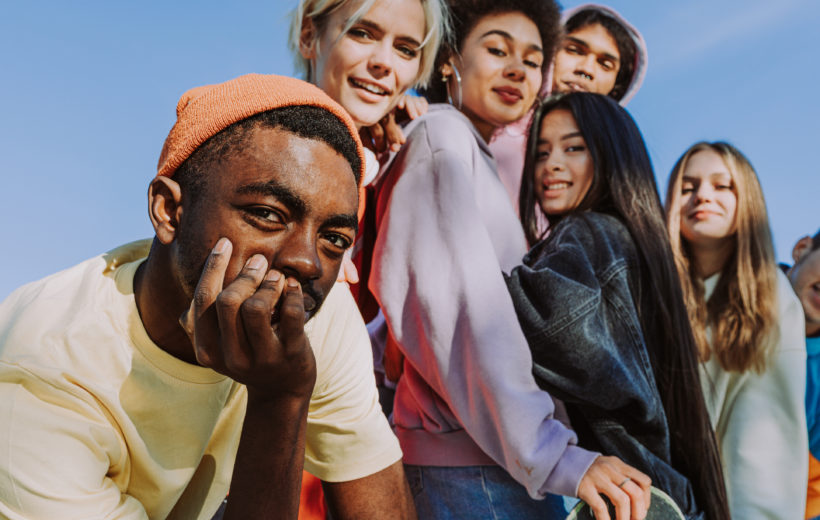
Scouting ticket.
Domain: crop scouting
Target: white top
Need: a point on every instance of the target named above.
(97, 421)
(760, 421)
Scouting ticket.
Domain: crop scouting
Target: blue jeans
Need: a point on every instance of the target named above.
(476, 492)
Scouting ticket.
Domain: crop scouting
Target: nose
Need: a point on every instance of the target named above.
(586, 65)
(297, 256)
(515, 70)
(704, 193)
(380, 63)
(555, 162)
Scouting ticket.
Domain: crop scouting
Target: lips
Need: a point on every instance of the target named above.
(311, 302)
(510, 95)
(702, 213)
(555, 188)
(369, 86)
(574, 86)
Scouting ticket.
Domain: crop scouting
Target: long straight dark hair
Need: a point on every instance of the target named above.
(624, 186)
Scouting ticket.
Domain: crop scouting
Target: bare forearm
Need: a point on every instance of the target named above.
(384, 494)
(267, 474)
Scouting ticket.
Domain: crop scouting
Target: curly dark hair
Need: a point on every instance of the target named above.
(465, 14)
(303, 120)
(626, 45)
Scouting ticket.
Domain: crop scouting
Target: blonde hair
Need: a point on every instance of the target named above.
(435, 17)
(742, 310)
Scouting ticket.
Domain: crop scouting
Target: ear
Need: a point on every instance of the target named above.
(446, 69)
(307, 39)
(165, 207)
(801, 249)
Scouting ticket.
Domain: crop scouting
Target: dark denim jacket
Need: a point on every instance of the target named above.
(576, 297)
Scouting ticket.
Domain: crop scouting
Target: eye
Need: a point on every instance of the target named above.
(337, 240)
(607, 65)
(265, 214)
(359, 33)
(407, 51)
(723, 186)
(574, 49)
(576, 148)
(541, 154)
(495, 51)
(686, 189)
(532, 64)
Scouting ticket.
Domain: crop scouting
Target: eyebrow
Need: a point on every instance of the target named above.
(342, 221)
(508, 36)
(709, 176)
(581, 42)
(297, 206)
(285, 195)
(378, 28)
(564, 137)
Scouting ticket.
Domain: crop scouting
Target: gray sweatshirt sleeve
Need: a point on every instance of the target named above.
(438, 279)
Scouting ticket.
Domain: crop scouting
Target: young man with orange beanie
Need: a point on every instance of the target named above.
(141, 383)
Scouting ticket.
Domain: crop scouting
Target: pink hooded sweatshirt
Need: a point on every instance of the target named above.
(509, 143)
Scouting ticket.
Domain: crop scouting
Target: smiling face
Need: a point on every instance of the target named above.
(289, 198)
(708, 200)
(588, 60)
(564, 169)
(368, 68)
(500, 69)
(805, 279)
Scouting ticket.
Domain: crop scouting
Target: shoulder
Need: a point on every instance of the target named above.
(59, 312)
(791, 317)
(602, 237)
(443, 129)
(337, 330)
(598, 226)
(787, 302)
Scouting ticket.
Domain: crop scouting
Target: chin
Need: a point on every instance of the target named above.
(365, 114)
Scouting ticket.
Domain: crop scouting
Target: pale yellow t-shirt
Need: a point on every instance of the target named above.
(96, 421)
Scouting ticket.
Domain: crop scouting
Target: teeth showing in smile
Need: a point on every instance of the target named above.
(369, 87)
(557, 186)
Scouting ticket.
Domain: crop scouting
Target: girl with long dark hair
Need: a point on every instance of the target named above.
(600, 302)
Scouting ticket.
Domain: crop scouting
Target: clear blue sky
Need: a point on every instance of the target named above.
(88, 91)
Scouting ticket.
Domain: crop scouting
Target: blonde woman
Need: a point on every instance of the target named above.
(366, 54)
(748, 326)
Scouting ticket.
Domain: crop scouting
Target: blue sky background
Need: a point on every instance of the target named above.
(88, 91)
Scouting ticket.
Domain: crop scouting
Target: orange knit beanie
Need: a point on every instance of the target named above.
(203, 112)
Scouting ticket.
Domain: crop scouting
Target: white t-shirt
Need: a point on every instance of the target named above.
(760, 420)
(96, 421)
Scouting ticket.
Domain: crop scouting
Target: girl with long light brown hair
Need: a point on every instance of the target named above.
(748, 328)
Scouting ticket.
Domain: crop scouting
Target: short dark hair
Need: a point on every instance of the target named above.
(303, 120)
(815, 241)
(626, 45)
(465, 15)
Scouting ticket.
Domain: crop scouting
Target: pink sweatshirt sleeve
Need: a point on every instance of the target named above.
(438, 278)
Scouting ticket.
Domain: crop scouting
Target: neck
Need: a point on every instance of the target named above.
(484, 128)
(711, 260)
(812, 329)
(160, 302)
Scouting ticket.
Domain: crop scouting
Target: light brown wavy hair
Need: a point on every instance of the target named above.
(742, 310)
